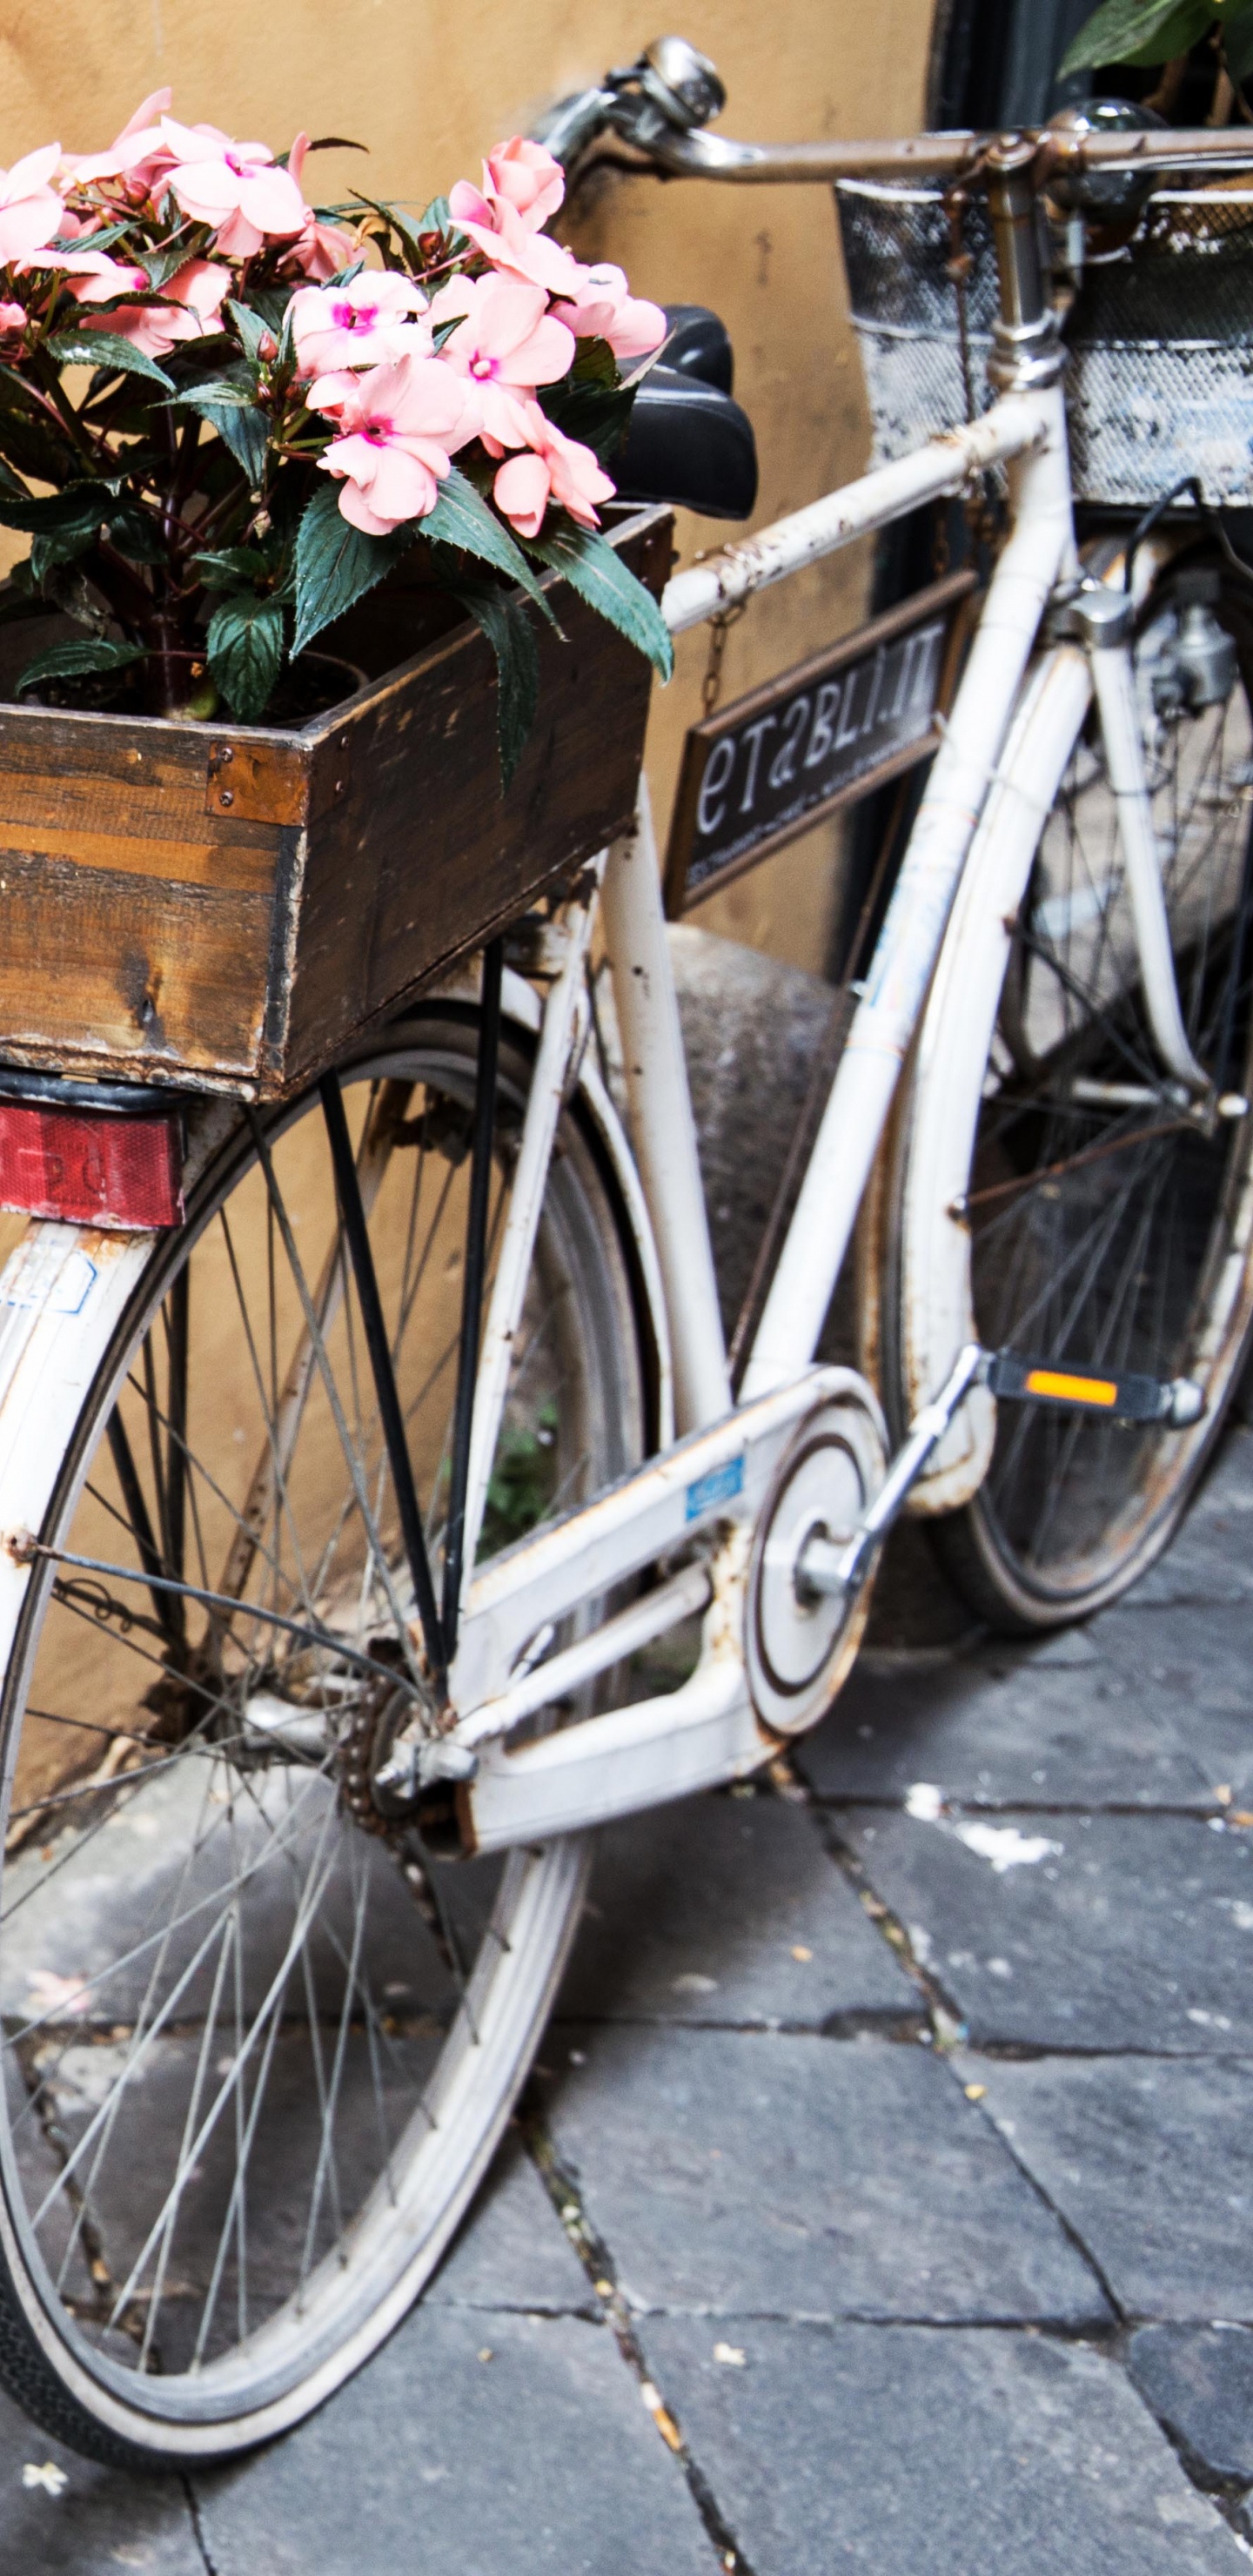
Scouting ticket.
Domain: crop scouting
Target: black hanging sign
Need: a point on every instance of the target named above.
(821, 735)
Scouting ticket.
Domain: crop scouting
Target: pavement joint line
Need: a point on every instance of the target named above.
(1067, 2226)
(567, 2200)
(1231, 2497)
(197, 2526)
(836, 1802)
(946, 2025)
(890, 2023)
(949, 2029)
(1026, 2052)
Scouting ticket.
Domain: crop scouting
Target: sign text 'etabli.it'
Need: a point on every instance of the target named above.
(819, 736)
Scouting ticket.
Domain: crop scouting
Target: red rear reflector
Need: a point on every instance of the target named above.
(110, 1171)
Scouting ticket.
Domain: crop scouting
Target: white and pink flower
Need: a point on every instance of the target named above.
(507, 344)
(191, 305)
(399, 427)
(555, 468)
(375, 318)
(237, 187)
(603, 307)
(519, 174)
(30, 210)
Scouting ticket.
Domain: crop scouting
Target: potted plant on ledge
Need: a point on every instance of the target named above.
(313, 501)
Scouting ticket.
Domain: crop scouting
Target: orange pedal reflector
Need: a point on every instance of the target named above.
(1130, 1397)
(1067, 1389)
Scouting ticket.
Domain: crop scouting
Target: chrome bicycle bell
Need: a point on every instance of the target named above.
(1109, 196)
(682, 84)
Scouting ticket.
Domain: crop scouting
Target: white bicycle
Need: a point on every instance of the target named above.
(355, 1621)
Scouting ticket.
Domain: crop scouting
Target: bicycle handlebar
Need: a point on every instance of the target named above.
(660, 107)
(712, 156)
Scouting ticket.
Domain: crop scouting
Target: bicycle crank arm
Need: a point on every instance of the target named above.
(713, 1479)
(838, 1567)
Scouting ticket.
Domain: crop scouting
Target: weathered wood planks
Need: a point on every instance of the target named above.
(225, 910)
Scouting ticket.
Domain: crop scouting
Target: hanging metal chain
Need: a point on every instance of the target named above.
(719, 629)
(980, 501)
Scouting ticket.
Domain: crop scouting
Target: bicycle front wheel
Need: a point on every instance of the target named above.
(1067, 1197)
(259, 2042)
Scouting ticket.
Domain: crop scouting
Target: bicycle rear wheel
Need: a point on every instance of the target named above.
(259, 2042)
(1103, 1223)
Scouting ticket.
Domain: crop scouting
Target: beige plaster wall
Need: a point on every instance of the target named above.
(429, 89)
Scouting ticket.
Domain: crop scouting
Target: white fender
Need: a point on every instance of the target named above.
(936, 1314)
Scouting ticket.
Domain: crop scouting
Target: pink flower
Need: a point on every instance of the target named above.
(12, 319)
(136, 148)
(521, 254)
(520, 174)
(322, 251)
(92, 277)
(603, 307)
(507, 345)
(399, 425)
(191, 305)
(363, 324)
(30, 211)
(236, 187)
(558, 469)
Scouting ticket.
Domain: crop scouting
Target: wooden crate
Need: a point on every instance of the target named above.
(225, 910)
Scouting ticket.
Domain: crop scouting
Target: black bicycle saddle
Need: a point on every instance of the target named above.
(687, 441)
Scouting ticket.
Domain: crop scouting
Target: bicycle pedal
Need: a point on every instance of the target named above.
(1129, 1397)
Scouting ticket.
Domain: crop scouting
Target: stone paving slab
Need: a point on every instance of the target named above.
(1137, 1932)
(1199, 2380)
(728, 1909)
(1148, 2159)
(1200, 1658)
(512, 2250)
(787, 2176)
(1010, 1727)
(80, 2520)
(540, 2461)
(916, 2453)
(1211, 1559)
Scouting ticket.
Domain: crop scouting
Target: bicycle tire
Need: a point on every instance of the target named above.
(1103, 1233)
(155, 2308)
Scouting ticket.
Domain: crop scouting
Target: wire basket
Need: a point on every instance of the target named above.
(1159, 380)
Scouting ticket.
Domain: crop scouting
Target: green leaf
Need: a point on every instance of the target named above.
(134, 534)
(61, 545)
(461, 517)
(82, 505)
(1238, 41)
(232, 565)
(245, 645)
(336, 564)
(77, 660)
(1137, 31)
(588, 412)
(506, 623)
(403, 225)
(601, 578)
(160, 265)
(226, 393)
(106, 349)
(595, 364)
(246, 433)
(252, 327)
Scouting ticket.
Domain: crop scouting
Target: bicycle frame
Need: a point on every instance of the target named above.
(710, 1485)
